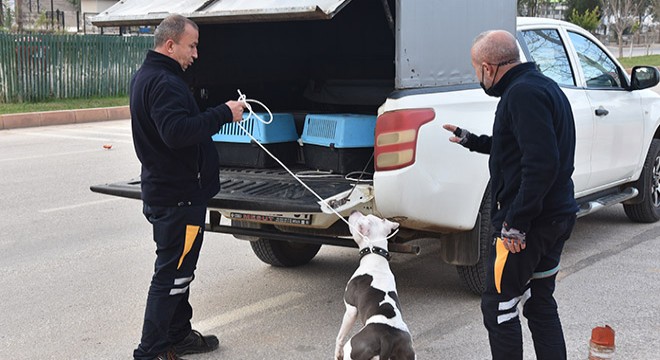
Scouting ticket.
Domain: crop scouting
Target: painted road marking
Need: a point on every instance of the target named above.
(80, 137)
(102, 132)
(79, 205)
(43, 156)
(246, 311)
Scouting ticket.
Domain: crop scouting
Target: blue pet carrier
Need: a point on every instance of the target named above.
(341, 143)
(236, 148)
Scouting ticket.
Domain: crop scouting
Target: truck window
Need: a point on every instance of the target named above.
(598, 68)
(548, 52)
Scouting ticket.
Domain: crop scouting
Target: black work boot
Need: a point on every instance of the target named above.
(196, 343)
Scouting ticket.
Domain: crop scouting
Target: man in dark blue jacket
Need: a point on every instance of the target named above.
(180, 173)
(533, 206)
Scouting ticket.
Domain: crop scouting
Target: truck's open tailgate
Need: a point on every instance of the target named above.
(254, 189)
(128, 189)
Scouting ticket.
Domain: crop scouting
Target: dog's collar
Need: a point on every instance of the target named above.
(375, 250)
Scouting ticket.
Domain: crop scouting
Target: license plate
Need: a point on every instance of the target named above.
(304, 219)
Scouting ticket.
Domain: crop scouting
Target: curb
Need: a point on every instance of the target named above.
(61, 117)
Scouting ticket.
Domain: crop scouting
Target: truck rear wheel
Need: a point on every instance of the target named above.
(284, 253)
(648, 210)
(474, 276)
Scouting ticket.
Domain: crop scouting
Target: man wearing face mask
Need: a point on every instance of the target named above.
(533, 206)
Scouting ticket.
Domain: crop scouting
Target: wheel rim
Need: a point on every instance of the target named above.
(655, 183)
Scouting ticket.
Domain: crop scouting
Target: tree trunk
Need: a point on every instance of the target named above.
(632, 40)
(19, 14)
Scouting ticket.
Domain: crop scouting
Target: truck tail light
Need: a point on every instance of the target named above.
(396, 137)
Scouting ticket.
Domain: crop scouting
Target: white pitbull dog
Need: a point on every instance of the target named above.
(371, 295)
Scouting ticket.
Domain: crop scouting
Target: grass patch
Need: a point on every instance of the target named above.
(650, 60)
(63, 104)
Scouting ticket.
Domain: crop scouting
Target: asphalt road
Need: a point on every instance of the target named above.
(75, 267)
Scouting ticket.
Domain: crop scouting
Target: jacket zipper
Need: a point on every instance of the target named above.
(199, 168)
(497, 195)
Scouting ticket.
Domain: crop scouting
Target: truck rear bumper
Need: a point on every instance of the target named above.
(306, 238)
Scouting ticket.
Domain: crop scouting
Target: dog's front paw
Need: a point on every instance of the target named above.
(339, 352)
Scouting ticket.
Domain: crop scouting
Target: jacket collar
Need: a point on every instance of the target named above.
(156, 58)
(510, 75)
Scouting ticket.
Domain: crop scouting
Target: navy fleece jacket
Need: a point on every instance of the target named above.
(531, 150)
(172, 137)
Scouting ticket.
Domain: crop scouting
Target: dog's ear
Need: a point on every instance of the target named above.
(363, 227)
(392, 225)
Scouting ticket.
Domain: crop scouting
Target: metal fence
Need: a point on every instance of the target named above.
(38, 67)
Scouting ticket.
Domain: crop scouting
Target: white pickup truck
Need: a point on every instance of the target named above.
(363, 61)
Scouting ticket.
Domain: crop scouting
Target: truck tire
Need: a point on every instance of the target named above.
(474, 276)
(648, 210)
(284, 253)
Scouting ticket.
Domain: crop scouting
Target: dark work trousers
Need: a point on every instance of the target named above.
(178, 233)
(528, 279)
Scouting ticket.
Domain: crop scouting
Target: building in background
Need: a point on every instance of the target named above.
(39, 15)
(53, 15)
(553, 9)
(90, 8)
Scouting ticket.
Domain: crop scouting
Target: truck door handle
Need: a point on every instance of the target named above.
(601, 111)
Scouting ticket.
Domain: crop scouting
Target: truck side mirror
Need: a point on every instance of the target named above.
(643, 77)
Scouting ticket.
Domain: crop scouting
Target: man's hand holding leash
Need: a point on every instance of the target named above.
(513, 239)
(236, 108)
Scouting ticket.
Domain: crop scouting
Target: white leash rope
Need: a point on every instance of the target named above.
(242, 98)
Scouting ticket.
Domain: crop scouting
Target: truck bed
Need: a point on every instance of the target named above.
(254, 189)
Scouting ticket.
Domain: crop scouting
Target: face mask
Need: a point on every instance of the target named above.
(489, 91)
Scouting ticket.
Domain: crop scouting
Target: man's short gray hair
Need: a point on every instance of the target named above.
(172, 27)
(495, 47)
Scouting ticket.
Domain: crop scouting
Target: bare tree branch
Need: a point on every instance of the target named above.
(622, 15)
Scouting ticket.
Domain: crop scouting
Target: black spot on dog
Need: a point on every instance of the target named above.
(361, 294)
(394, 296)
(387, 310)
(382, 340)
